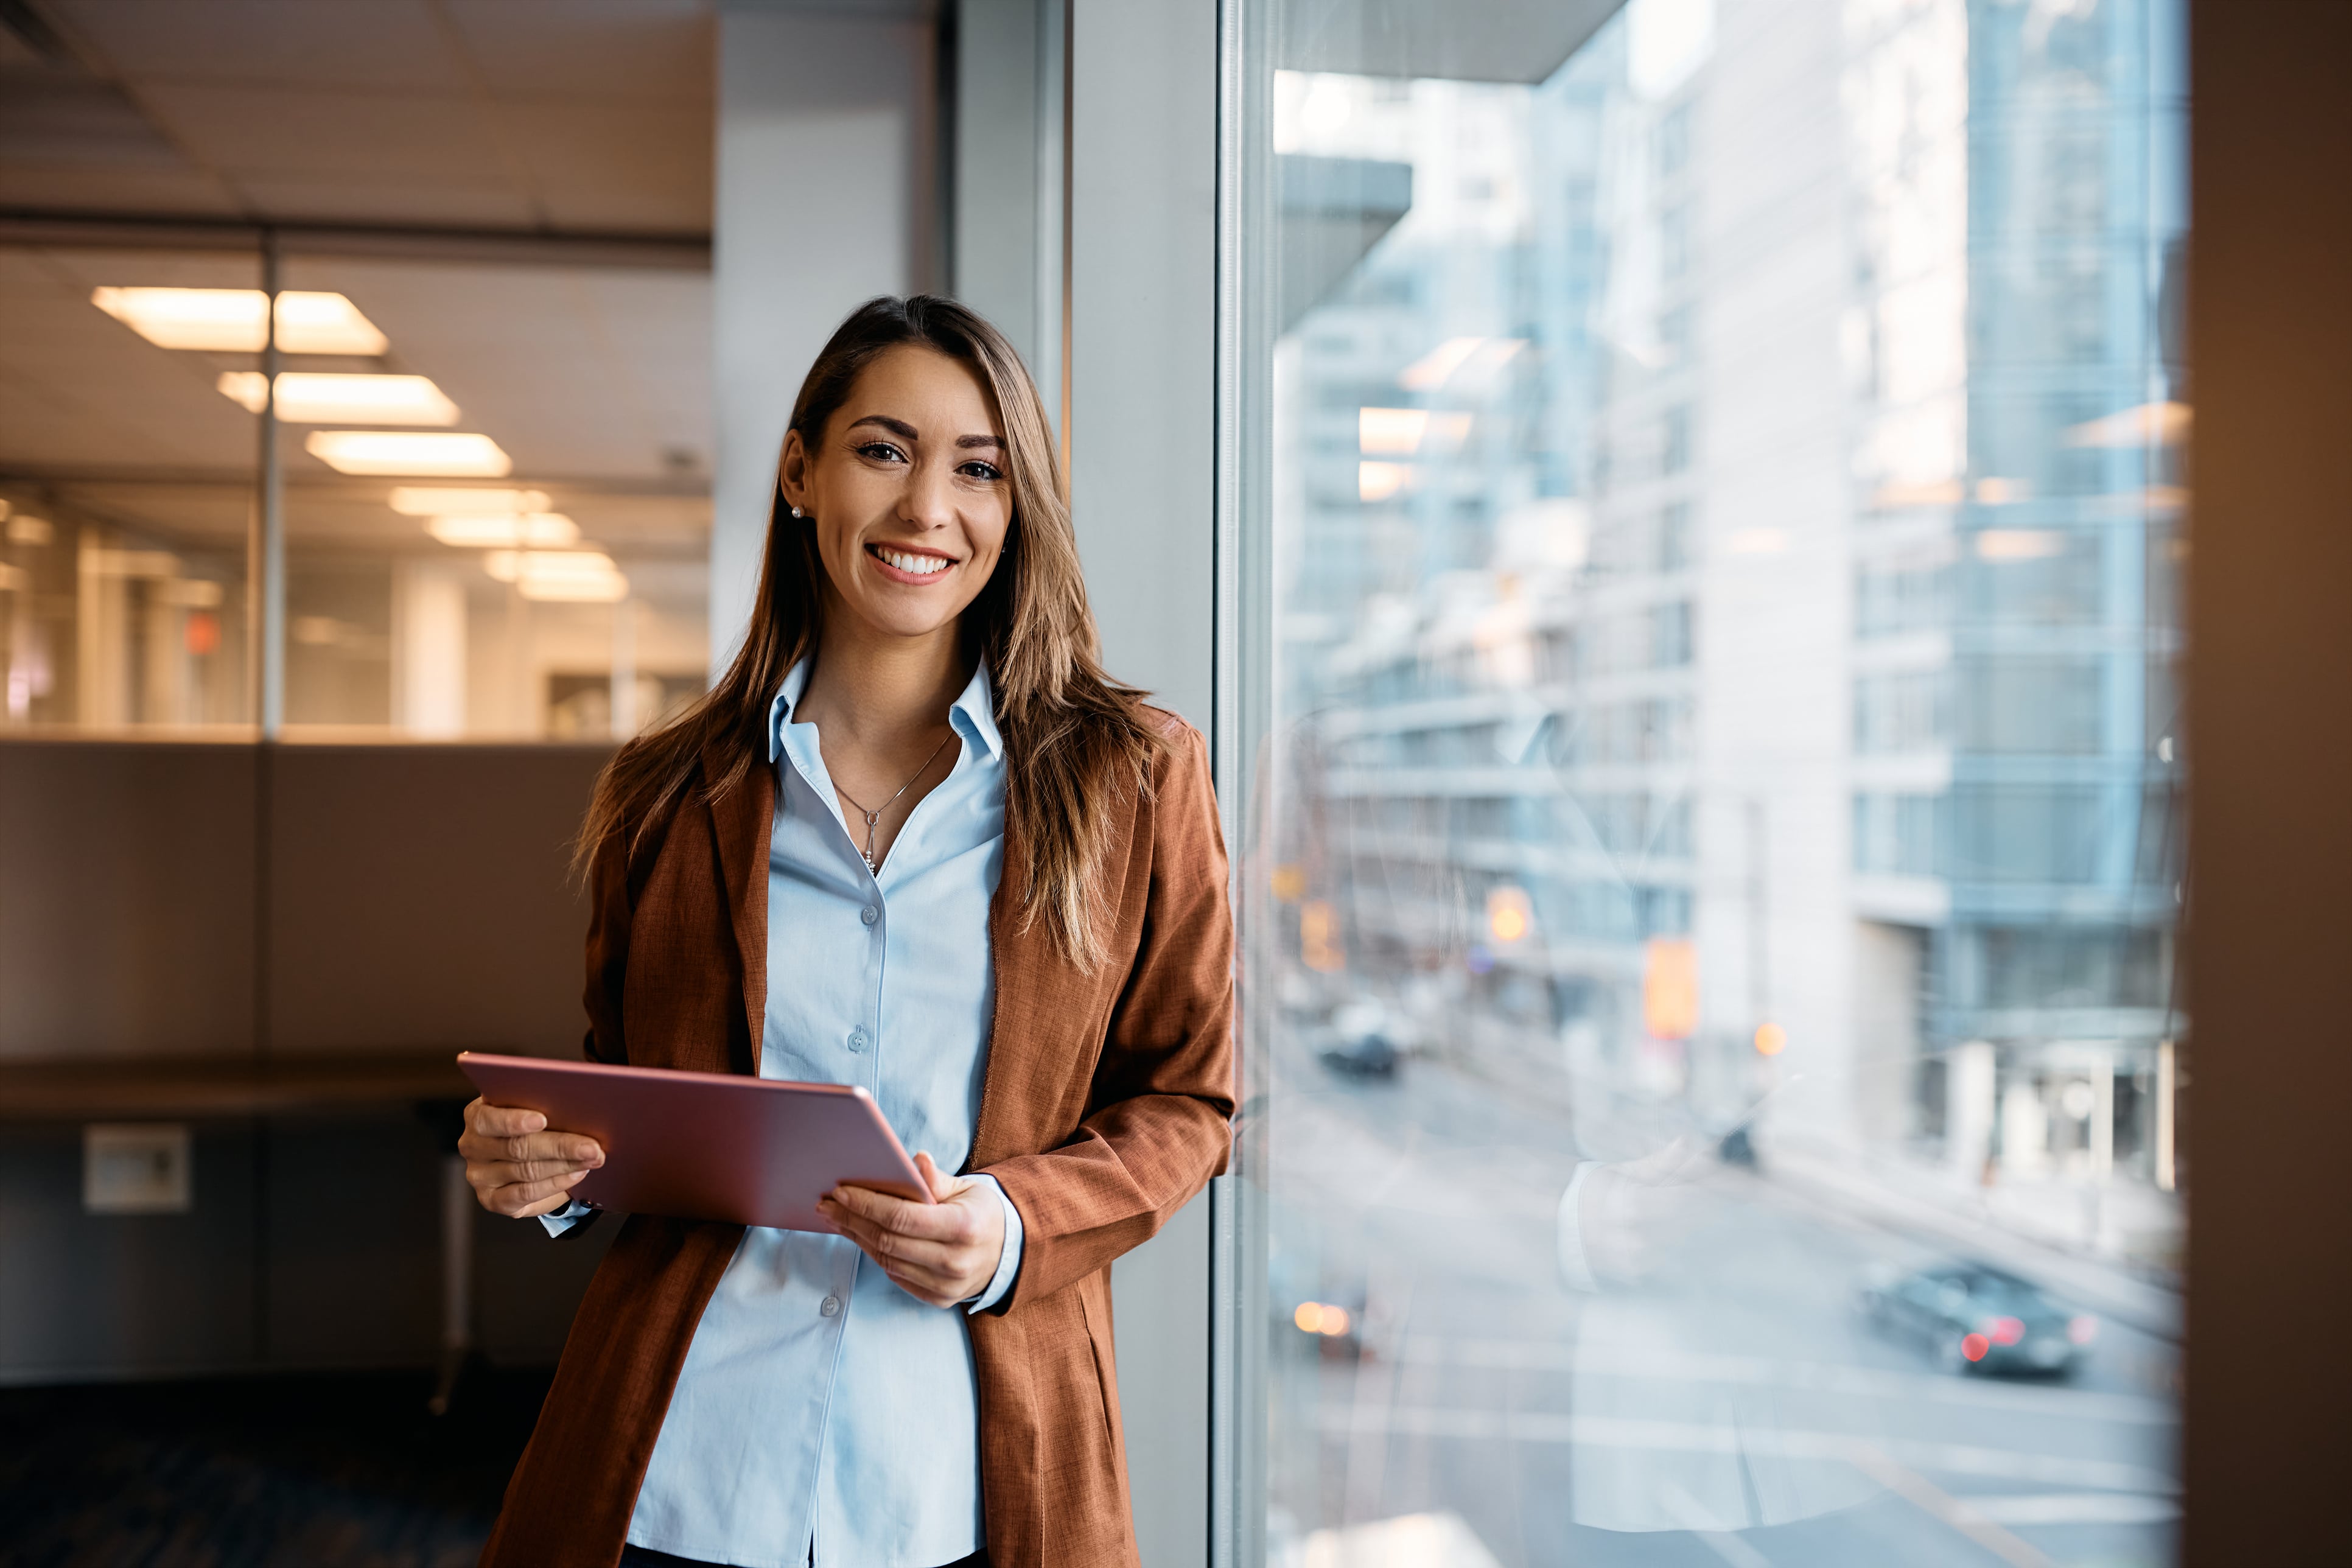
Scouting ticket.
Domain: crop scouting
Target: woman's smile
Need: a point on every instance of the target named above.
(909, 564)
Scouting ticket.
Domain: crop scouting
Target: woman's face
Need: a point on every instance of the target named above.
(909, 495)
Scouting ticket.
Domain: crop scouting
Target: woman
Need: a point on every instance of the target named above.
(995, 895)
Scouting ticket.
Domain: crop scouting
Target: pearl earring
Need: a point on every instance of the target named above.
(796, 511)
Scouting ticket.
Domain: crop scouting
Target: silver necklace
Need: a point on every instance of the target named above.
(875, 815)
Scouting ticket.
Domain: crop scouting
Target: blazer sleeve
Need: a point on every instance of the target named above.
(1163, 1089)
(609, 908)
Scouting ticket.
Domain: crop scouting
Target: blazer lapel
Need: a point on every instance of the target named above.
(743, 822)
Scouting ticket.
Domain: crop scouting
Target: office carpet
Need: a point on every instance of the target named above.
(343, 1471)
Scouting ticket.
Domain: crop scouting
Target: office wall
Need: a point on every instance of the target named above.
(2269, 1073)
(413, 898)
(422, 897)
(1143, 138)
(827, 194)
(127, 899)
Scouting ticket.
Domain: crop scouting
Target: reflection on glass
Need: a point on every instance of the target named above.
(497, 493)
(538, 571)
(127, 487)
(1713, 876)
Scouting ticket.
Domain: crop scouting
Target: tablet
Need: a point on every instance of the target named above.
(708, 1145)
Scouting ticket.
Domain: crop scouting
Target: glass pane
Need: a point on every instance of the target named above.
(1714, 488)
(510, 536)
(126, 488)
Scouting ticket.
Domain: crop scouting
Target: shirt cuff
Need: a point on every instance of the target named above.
(558, 1221)
(1008, 1263)
(1575, 1266)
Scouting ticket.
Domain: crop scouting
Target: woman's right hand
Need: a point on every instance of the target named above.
(517, 1166)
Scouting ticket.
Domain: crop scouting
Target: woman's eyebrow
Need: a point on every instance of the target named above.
(906, 432)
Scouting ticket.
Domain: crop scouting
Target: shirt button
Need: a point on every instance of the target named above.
(869, 914)
(830, 1306)
(858, 1039)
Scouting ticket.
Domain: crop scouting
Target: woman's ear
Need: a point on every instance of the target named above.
(792, 472)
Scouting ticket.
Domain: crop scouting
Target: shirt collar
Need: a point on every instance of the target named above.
(973, 716)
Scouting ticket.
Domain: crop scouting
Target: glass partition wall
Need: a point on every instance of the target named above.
(1708, 499)
(127, 491)
(492, 483)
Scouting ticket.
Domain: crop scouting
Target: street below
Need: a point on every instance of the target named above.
(1734, 1407)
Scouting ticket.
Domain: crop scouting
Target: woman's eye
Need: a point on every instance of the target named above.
(882, 452)
(988, 473)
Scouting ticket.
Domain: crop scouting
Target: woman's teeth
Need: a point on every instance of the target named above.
(921, 565)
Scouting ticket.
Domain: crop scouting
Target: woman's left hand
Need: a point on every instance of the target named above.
(943, 1252)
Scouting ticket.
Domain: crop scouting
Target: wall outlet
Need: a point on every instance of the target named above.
(135, 1167)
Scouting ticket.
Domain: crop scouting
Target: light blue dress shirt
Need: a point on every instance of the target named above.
(823, 1415)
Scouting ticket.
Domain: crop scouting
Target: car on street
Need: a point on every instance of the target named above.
(1974, 1317)
(1363, 1041)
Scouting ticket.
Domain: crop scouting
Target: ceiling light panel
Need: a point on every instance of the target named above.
(420, 500)
(509, 530)
(309, 397)
(576, 576)
(230, 321)
(409, 452)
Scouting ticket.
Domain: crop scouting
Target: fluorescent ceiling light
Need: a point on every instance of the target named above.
(1378, 482)
(1404, 430)
(408, 452)
(575, 575)
(609, 590)
(1436, 367)
(1757, 542)
(506, 531)
(2003, 544)
(230, 321)
(1391, 429)
(1454, 355)
(2150, 425)
(418, 501)
(311, 398)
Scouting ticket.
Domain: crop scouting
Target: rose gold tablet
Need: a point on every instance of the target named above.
(708, 1145)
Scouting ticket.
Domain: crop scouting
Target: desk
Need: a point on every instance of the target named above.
(133, 1089)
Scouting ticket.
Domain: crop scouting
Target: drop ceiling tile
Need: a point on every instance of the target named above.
(626, 50)
(49, 421)
(249, 131)
(78, 269)
(597, 165)
(105, 189)
(310, 43)
(438, 204)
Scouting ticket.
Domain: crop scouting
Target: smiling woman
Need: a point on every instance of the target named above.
(1031, 917)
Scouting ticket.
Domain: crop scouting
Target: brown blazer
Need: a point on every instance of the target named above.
(1105, 1107)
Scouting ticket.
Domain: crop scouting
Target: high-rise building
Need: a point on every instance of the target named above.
(1731, 577)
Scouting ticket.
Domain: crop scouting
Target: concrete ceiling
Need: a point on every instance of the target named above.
(515, 114)
(1465, 40)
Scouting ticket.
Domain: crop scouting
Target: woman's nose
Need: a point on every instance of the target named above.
(928, 499)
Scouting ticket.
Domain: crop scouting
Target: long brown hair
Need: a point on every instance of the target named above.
(1076, 740)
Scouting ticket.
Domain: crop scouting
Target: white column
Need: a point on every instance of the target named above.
(827, 195)
(429, 649)
(2103, 1118)
(1142, 444)
(1969, 1086)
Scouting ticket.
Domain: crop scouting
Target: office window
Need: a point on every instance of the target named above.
(128, 485)
(1769, 1172)
(492, 481)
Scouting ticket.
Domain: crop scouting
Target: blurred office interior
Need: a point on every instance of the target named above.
(1676, 516)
